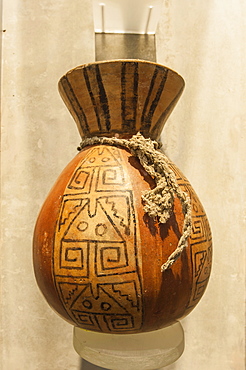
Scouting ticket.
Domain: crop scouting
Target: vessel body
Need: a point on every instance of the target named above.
(97, 253)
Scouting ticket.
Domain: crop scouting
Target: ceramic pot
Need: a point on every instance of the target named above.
(97, 254)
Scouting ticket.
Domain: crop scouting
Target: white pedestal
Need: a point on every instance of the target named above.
(145, 351)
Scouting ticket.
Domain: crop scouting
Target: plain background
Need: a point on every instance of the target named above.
(205, 42)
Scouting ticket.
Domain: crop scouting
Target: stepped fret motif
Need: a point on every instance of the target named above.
(96, 263)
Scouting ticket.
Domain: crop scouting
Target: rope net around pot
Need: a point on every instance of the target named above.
(158, 202)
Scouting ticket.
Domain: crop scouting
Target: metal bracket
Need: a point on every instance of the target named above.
(126, 29)
(125, 46)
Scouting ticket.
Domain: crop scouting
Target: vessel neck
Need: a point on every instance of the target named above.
(121, 98)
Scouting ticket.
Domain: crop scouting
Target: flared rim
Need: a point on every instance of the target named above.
(114, 61)
(121, 96)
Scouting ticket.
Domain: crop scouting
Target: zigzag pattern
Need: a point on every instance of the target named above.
(73, 211)
(70, 294)
(115, 214)
(126, 296)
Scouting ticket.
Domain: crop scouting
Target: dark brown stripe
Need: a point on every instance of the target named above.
(157, 97)
(129, 124)
(148, 98)
(123, 96)
(163, 117)
(103, 98)
(135, 97)
(75, 104)
(147, 117)
(93, 100)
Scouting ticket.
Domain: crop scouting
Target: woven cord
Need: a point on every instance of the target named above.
(158, 202)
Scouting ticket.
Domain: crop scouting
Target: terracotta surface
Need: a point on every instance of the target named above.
(121, 97)
(97, 255)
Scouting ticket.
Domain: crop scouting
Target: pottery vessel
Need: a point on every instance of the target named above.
(97, 254)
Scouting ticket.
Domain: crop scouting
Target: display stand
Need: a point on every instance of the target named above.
(145, 351)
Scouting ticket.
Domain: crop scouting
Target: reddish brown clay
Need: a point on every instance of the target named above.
(97, 254)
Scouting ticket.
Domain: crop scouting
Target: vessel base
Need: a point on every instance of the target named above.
(144, 351)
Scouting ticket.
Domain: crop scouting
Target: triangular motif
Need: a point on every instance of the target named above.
(70, 208)
(70, 292)
(200, 258)
(100, 156)
(118, 209)
(96, 227)
(104, 303)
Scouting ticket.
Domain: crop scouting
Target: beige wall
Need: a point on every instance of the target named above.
(43, 39)
(205, 137)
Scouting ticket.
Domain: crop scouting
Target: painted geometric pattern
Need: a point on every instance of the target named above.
(123, 97)
(95, 256)
(200, 243)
